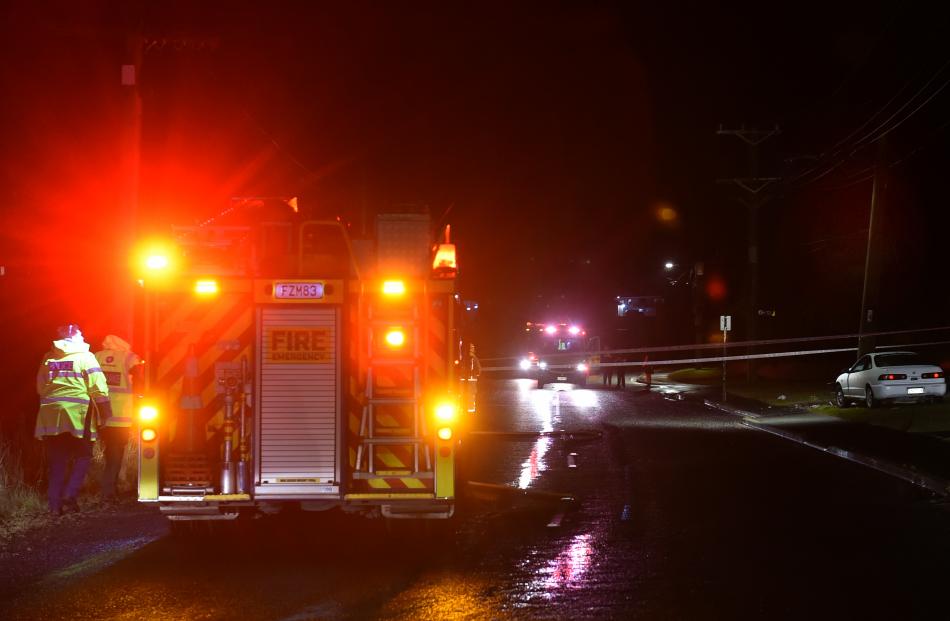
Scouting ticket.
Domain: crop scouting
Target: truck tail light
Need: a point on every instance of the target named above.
(394, 288)
(395, 337)
(206, 287)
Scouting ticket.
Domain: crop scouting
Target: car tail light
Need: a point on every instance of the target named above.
(936, 375)
(892, 376)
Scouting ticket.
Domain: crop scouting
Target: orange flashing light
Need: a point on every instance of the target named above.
(445, 412)
(149, 435)
(148, 413)
(444, 264)
(156, 262)
(206, 287)
(394, 287)
(445, 433)
(153, 259)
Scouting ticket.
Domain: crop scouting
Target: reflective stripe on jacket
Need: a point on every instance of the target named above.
(116, 365)
(68, 378)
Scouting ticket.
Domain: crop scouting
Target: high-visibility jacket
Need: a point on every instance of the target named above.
(117, 363)
(68, 379)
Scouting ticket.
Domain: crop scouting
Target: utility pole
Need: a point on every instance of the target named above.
(129, 160)
(753, 186)
(131, 218)
(872, 263)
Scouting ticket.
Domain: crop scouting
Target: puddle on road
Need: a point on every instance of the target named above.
(566, 570)
(545, 407)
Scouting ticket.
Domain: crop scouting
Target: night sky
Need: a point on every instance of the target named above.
(550, 135)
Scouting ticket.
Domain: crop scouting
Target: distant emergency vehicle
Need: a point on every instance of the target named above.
(557, 353)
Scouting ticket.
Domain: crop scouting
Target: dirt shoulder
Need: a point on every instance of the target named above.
(55, 549)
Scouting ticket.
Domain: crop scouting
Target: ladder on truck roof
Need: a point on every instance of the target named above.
(392, 425)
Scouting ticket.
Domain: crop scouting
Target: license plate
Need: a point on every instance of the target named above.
(915, 391)
(562, 378)
(298, 290)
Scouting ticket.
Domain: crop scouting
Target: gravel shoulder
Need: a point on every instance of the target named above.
(61, 548)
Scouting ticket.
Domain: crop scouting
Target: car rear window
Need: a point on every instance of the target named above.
(899, 360)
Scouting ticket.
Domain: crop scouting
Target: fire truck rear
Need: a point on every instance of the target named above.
(290, 366)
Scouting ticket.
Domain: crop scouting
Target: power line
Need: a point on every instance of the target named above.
(907, 103)
(846, 144)
(928, 141)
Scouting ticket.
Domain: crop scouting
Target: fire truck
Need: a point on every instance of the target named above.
(290, 366)
(558, 352)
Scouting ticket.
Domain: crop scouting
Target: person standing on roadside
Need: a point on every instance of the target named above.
(117, 361)
(621, 372)
(72, 388)
(607, 372)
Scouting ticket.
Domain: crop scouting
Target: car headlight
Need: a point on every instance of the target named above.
(525, 364)
(582, 367)
(543, 364)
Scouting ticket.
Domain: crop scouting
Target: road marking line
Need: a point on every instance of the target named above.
(556, 520)
(571, 460)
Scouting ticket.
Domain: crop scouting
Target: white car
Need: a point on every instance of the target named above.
(895, 375)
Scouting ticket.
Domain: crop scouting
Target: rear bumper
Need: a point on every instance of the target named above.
(563, 376)
(909, 390)
(216, 507)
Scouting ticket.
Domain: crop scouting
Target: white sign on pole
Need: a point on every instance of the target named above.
(725, 323)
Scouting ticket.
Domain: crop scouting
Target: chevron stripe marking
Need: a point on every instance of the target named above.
(389, 459)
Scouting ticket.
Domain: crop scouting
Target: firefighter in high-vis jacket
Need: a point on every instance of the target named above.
(117, 361)
(74, 397)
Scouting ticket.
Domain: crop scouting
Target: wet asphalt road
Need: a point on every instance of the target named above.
(679, 513)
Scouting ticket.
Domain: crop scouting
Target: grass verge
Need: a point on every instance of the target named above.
(933, 418)
(909, 417)
(23, 506)
(770, 392)
(20, 503)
